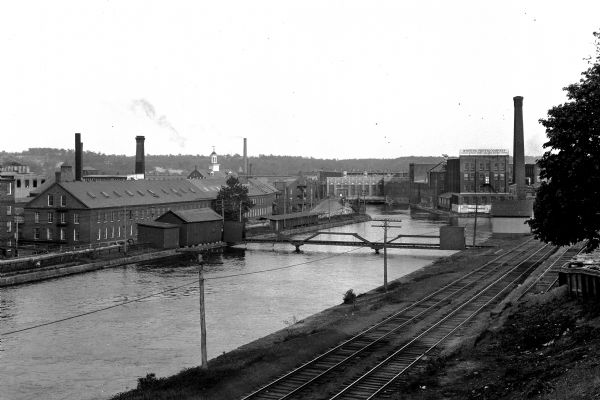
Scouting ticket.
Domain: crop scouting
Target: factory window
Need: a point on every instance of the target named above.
(26, 183)
(35, 183)
(99, 233)
(48, 234)
(63, 200)
(63, 234)
(112, 234)
(50, 217)
(106, 233)
(105, 216)
(8, 210)
(481, 166)
(50, 200)
(119, 231)
(36, 217)
(112, 216)
(9, 187)
(75, 218)
(18, 183)
(466, 177)
(75, 235)
(8, 226)
(131, 230)
(36, 233)
(63, 218)
(98, 218)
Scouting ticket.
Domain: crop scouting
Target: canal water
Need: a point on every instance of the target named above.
(101, 354)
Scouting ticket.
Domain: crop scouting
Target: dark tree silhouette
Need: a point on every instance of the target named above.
(567, 205)
(234, 199)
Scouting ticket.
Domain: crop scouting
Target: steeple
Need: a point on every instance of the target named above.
(214, 164)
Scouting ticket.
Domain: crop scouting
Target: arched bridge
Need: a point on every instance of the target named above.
(361, 242)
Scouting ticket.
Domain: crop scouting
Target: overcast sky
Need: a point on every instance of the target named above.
(335, 79)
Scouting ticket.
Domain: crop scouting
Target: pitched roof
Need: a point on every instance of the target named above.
(280, 217)
(209, 186)
(197, 215)
(257, 187)
(102, 194)
(156, 224)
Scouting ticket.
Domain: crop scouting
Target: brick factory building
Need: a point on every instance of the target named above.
(83, 213)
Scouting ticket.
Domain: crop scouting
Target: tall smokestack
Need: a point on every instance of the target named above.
(78, 156)
(519, 149)
(246, 158)
(140, 164)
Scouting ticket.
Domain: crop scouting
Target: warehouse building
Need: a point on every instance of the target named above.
(83, 213)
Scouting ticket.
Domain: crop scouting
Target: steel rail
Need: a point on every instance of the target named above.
(515, 252)
(576, 249)
(391, 357)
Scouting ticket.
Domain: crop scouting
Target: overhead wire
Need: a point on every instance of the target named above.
(170, 290)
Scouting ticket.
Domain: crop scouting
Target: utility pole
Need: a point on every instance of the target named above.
(475, 223)
(223, 210)
(204, 364)
(385, 227)
(125, 236)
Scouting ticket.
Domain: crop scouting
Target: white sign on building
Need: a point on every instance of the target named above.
(483, 152)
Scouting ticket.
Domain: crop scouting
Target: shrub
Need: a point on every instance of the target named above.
(349, 297)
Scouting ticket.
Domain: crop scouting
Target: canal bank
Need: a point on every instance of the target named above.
(41, 273)
(246, 368)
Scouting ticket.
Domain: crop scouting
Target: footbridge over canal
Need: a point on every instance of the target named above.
(361, 242)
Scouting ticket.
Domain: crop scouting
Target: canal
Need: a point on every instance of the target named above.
(101, 354)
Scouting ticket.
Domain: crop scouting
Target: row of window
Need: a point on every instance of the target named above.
(62, 217)
(28, 182)
(470, 187)
(472, 166)
(470, 176)
(49, 234)
(112, 232)
(63, 200)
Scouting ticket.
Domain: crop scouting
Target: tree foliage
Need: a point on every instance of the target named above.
(234, 199)
(567, 205)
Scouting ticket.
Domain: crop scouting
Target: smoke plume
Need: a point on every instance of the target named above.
(162, 121)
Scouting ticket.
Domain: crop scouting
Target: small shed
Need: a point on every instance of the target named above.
(293, 220)
(197, 226)
(160, 235)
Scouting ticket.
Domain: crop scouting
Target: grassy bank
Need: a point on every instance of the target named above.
(547, 348)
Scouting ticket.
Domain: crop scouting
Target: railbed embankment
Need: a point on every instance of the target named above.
(242, 370)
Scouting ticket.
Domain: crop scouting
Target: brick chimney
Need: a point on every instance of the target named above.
(246, 158)
(78, 157)
(519, 149)
(66, 173)
(140, 164)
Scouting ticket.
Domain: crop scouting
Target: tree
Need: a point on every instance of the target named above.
(567, 205)
(234, 199)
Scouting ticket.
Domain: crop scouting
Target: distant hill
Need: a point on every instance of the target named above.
(47, 160)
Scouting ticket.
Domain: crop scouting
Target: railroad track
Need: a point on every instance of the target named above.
(548, 278)
(369, 345)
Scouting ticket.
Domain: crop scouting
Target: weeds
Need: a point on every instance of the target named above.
(350, 298)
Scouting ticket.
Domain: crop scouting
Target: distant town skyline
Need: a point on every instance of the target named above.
(341, 79)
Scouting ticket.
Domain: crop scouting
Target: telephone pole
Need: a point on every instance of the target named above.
(204, 364)
(385, 226)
